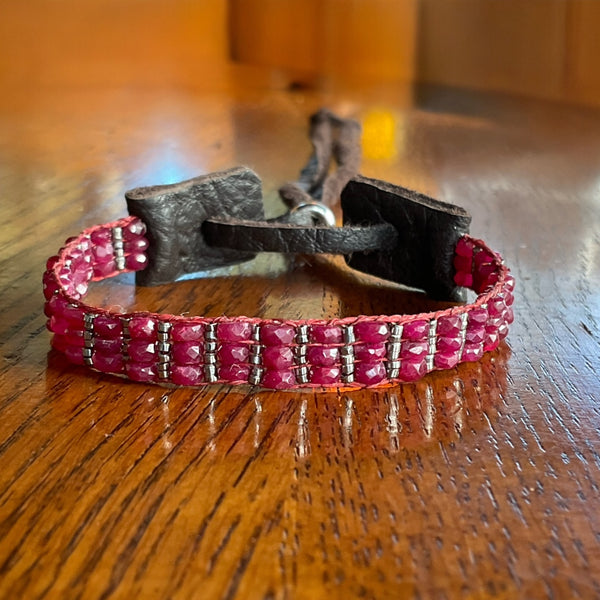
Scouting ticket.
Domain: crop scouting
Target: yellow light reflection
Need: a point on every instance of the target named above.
(379, 138)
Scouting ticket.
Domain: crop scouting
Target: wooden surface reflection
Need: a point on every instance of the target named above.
(480, 482)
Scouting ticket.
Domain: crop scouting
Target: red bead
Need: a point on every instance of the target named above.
(108, 363)
(136, 244)
(324, 356)
(103, 252)
(415, 330)
(326, 334)
(370, 352)
(278, 358)
(463, 279)
(491, 340)
(234, 372)
(49, 284)
(183, 331)
(369, 373)
(477, 316)
(61, 326)
(186, 374)
(371, 332)
(509, 282)
(59, 342)
(279, 380)
(110, 346)
(463, 263)
(325, 375)
(101, 236)
(51, 262)
(411, 371)
(234, 331)
(104, 270)
(509, 299)
(142, 327)
(232, 354)
(472, 352)
(496, 306)
(75, 355)
(136, 261)
(483, 258)
(277, 334)
(109, 327)
(134, 229)
(503, 331)
(446, 359)
(509, 316)
(139, 372)
(75, 339)
(141, 351)
(412, 351)
(448, 326)
(187, 353)
(448, 344)
(475, 336)
(464, 247)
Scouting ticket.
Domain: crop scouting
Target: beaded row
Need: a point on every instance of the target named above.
(353, 352)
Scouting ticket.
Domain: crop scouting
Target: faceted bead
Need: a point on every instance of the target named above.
(463, 263)
(136, 244)
(411, 371)
(109, 327)
(134, 229)
(232, 354)
(235, 372)
(448, 344)
(186, 374)
(503, 331)
(413, 350)
(141, 351)
(463, 279)
(509, 282)
(448, 326)
(278, 358)
(234, 331)
(51, 262)
(370, 352)
(142, 327)
(509, 299)
(101, 236)
(139, 372)
(446, 359)
(279, 380)
(472, 352)
(326, 334)
(509, 316)
(103, 252)
(325, 375)
(371, 332)
(464, 247)
(369, 373)
(324, 356)
(49, 284)
(187, 353)
(75, 355)
(75, 339)
(110, 346)
(483, 258)
(496, 306)
(104, 270)
(277, 334)
(108, 363)
(477, 316)
(491, 339)
(60, 326)
(475, 336)
(415, 330)
(59, 342)
(136, 261)
(182, 331)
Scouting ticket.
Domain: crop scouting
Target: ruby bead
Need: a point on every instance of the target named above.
(370, 352)
(369, 373)
(412, 370)
(475, 336)
(186, 374)
(101, 236)
(231, 354)
(187, 332)
(75, 338)
(491, 340)
(472, 352)
(477, 316)
(60, 326)
(464, 247)
(325, 356)
(463, 279)
(75, 355)
(503, 331)
(110, 346)
(234, 331)
(141, 351)
(136, 261)
(104, 270)
(277, 334)
(236, 372)
(103, 252)
(326, 334)
(496, 306)
(371, 332)
(463, 263)
(446, 359)
(413, 350)
(139, 372)
(142, 327)
(51, 262)
(136, 244)
(448, 326)
(415, 330)
(108, 363)
(509, 283)
(187, 353)
(483, 258)
(448, 344)
(59, 342)
(49, 284)
(278, 358)
(109, 327)
(325, 375)
(509, 299)
(134, 229)
(509, 316)
(278, 380)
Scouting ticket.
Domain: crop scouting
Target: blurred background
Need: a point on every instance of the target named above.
(539, 48)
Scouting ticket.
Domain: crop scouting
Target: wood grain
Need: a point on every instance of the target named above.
(480, 482)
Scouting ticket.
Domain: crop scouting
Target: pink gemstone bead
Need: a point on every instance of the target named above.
(136, 244)
(326, 334)
(278, 380)
(74, 355)
(101, 236)
(141, 351)
(448, 326)
(463, 279)
(108, 363)
(463, 264)
(234, 331)
(370, 352)
(411, 371)
(142, 327)
(59, 342)
(134, 229)
(324, 356)
(446, 359)
(139, 372)
(278, 358)
(475, 336)
(110, 346)
(369, 373)
(104, 270)
(448, 344)
(49, 284)
(187, 353)
(509, 283)
(483, 258)
(415, 330)
(477, 316)
(60, 326)
(503, 331)
(186, 374)
(496, 306)
(231, 354)
(51, 262)
(412, 351)
(509, 316)
(136, 261)
(234, 372)
(75, 339)
(108, 327)
(325, 375)
(509, 299)
(491, 339)
(371, 332)
(464, 247)
(187, 332)
(472, 352)
(277, 334)
(103, 252)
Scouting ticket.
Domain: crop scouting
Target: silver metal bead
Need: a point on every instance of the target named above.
(87, 352)
(396, 333)
(164, 327)
(302, 375)
(348, 334)
(255, 359)
(256, 375)
(117, 233)
(163, 347)
(210, 335)
(210, 347)
(210, 359)
(210, 373)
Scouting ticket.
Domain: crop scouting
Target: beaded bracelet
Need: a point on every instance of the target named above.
(352, 352)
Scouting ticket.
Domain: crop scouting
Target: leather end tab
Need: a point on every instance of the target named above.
(428, 231)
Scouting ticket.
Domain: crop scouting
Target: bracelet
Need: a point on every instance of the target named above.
(388, 231)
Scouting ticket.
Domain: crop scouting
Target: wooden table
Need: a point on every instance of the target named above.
(480, 482)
